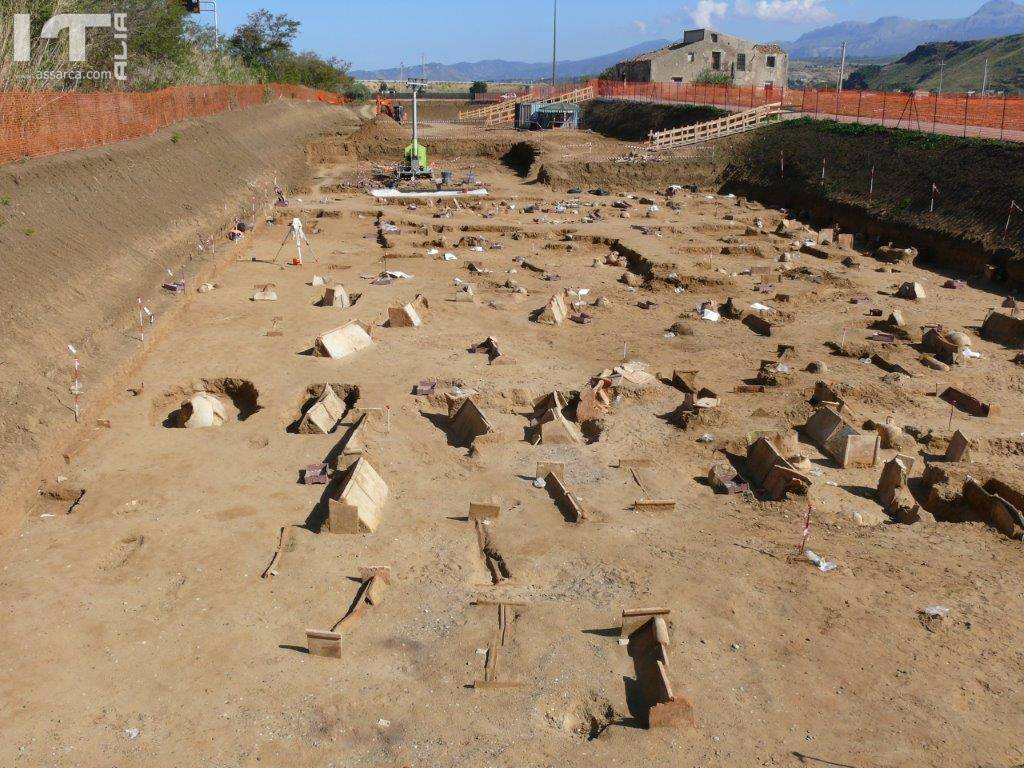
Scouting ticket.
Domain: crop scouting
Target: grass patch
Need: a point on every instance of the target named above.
(901, 137)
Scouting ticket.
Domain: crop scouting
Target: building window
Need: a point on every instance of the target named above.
(716, 60)
(741, 62)
(677, 79)
(689, 58)
(770, 62)
(714, 38)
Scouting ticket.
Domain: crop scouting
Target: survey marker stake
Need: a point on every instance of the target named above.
(76, 386)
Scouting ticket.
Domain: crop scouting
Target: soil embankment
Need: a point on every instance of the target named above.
(382, 140)
(85, 234)
(976, 182)
(701, 168)
(632, 121)
(438, 110)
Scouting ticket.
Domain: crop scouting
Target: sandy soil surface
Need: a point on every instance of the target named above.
(138, 629)
(84, 235)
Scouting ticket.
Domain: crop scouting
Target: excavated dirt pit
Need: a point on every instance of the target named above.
(239, 396)
(347, 393)
(155, 575)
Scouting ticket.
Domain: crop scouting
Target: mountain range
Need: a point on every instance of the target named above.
(895, 35)
(995, 62)
(889, 36)
(495, 70)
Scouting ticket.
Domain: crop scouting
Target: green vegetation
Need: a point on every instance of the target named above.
(897, 136)
(264, 45)
(356, 91)
(478, 86)
(964, 68)
(712, 77)
(167, 47)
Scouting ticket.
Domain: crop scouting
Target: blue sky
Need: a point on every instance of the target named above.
(379, 34)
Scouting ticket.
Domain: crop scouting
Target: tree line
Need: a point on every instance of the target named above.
(167, 47)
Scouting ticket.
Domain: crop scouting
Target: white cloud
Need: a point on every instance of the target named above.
(707, 10)
(641, 26)
(784, 10)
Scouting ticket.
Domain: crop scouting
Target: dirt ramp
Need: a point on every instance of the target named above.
(84, 234)
(380, 128)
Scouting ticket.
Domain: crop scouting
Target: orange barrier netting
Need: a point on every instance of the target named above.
(44, 123)
(993, 116)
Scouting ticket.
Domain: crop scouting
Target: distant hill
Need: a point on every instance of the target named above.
(895, 35)
(500, 70)
(964, 69)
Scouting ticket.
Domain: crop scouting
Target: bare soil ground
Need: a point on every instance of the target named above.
(84, 235)
(138, 630)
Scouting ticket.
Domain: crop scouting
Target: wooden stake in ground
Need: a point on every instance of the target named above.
(76, 386)
(282, 543)
(935, 192)
(1013, 206)
(807, 531)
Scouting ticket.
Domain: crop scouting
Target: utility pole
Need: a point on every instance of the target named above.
(554, 44)
(842, 68)
(942, 68)
(211, 5)
(984, 80)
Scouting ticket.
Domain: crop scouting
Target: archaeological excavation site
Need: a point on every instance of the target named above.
(670, 436)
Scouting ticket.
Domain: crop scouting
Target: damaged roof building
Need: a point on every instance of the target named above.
(704, 55)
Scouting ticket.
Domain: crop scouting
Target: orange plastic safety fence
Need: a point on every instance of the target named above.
(993, 116)
(44, 123)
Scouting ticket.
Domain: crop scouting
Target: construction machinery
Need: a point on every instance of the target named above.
(414, 164)
(385, 106)
(413, 176)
